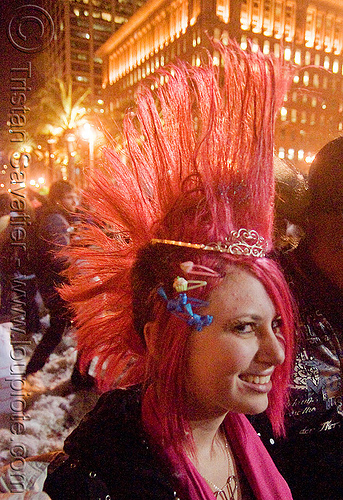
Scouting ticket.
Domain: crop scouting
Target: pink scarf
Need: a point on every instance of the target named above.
(262, 475)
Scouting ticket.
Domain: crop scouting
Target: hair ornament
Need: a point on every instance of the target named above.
(189, 267)
(182, 307)
(242, 242)
(182, 285)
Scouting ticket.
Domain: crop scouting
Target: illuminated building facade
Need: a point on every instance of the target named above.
(310, 31)
(81, 27)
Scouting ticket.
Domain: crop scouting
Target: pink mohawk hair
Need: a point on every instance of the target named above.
(198, 164)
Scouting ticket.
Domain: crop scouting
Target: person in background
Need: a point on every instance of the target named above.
(187, 317)
(5, 269)
(311, 457)
(54, 227)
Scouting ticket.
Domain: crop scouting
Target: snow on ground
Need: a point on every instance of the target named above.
(54, 407)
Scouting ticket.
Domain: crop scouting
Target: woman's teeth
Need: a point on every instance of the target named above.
(256, 379)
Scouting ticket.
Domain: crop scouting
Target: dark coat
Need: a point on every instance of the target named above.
(110, 457)
(311, 457)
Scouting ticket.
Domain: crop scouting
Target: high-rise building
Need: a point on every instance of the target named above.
(307, 32)
(81, 27)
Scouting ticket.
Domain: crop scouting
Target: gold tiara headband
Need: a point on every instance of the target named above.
(241, 242)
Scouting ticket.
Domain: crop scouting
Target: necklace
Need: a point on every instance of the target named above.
(230, 488)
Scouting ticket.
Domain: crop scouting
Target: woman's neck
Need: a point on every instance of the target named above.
(213, 457)
(206, 433)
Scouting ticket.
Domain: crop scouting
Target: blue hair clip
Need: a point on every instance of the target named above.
(182, 307)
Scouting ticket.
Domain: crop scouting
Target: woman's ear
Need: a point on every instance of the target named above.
(149, 336)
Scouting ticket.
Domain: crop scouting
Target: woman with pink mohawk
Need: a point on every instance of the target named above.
(189, 320)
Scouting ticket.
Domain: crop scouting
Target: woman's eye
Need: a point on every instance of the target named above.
(277, 325)
(244, 328)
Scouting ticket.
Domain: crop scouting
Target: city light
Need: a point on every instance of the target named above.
(88, 134)
(309, 158)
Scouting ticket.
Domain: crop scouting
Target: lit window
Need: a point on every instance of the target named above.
(76, 12)
(303, 117)
(281, 153)
(306, 78)
(301, 154)
(225, 37)
(283, 113)
(325, 82)
(297, 56)
(287, 54)
(120, 20)
(244, 43)
(314, 102)
(290, 154)
(294, 96)
(296, 79)
(106, 16)
(223, 10)
(268, 17)
(317, 60)
(266, 47)
(326, 62)
(256, 16)
(245, 15)
(255, 45)
(216, 33)
(86, 13)
(316, 80)
(310, 26)
(293, 115)
(335, 66)
(82, 79)
(307, 58)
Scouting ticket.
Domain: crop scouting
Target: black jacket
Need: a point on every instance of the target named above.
(311, 457)
(110, 456)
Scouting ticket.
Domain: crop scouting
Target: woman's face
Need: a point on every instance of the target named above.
(231, 361)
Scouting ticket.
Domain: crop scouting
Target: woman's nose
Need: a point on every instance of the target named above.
(272, 349)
